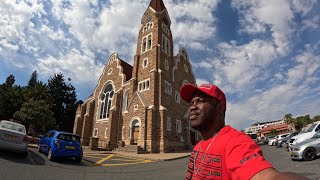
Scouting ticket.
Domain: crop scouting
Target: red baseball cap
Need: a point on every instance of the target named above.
(187, 91)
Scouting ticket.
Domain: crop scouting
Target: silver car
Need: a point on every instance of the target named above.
(13, 137)
(306, 150)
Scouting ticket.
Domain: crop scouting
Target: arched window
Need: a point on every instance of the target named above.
(144, 45)
(149, 42)
(106, 99)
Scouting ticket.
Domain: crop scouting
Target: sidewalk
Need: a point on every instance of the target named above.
(154, 157)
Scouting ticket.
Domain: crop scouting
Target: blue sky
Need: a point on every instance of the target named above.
(264, 54)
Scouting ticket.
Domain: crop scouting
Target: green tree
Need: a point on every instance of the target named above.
(288, 118)
(33, 79)
(37, 114)
(10, 81)
(38, 91)
(11, 98)
(273, 132)
(64, 101)
(316, 118)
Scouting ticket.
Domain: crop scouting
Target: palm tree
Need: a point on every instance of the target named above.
(38, 92)
(288, 118)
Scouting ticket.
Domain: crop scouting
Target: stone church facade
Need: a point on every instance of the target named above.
(140, 106)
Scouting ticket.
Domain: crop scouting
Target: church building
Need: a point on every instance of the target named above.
(137, 108)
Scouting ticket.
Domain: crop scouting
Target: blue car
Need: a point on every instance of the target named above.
(60, 144)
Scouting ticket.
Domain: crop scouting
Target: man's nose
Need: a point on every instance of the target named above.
(193, 106)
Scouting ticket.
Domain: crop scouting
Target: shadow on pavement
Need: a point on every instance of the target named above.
(22, 158)
(69, 161)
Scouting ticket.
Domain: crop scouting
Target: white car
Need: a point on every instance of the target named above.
(273, 141)
(310, 132)
(13, 137)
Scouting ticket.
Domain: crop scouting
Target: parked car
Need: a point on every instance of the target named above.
(269, 138)
(280, 137)
(283, 142)
(310, 132)
(13, 137)
(306, 150)
(272, 142)
(60, 144)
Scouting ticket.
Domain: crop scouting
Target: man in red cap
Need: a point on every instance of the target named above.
(224, 152)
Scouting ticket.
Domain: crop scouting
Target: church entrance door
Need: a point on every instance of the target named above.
(135, 131)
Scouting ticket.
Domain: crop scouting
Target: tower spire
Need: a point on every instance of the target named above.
(157, 5)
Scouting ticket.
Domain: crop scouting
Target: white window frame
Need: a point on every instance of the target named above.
(144, 85)
(177, 97)
(145, 64)
(168, 124)
(95, 132)
(110, 71)
(166, 64)
(165, 28)
(146, 44)
(165, 44)
(178, 126)
(167, 87)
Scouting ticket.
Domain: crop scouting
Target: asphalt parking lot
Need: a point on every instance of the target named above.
(280, 159)
(96, 166)
(108, 159)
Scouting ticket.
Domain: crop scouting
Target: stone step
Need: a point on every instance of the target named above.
(132, 149)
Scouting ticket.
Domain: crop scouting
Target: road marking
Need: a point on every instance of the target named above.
(132, 160)
(92, 156)
(104, 159)
(131, 157)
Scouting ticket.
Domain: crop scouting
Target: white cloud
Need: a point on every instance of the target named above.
(202, 81)
(294, 95)
(257, 16)
(80, 67)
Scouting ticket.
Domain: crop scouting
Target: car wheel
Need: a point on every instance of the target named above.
(50, 154)
(309, 154)
(285, 145)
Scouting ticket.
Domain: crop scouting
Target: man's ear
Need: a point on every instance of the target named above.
(222, 107)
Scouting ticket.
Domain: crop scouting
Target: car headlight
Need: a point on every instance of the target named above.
(296, 149)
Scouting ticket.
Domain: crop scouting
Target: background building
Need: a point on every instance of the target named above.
(256, 127)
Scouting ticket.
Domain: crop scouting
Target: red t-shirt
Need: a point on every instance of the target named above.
(232, 155)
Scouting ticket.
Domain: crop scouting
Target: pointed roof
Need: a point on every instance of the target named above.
(157, 5)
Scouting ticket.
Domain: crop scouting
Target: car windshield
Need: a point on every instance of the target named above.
(68, 137)
(311, 128)
(13, 126)
(253, 136)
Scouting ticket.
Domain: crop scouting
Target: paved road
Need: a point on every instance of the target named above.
(281, 160)
(37, 167)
